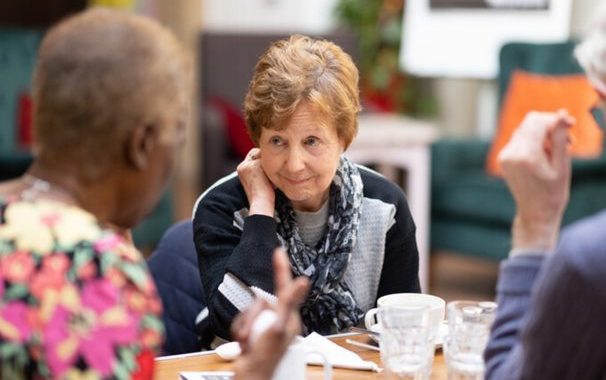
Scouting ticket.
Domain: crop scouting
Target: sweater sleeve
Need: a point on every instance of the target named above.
(235, 264)
(553, 332)
(400, 272)
(516, 278)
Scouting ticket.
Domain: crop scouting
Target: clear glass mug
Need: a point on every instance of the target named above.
(407, 347)
(469, 324)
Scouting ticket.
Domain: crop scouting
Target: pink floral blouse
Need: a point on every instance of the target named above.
(76, 300)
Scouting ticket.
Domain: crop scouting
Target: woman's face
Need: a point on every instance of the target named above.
(301, 159)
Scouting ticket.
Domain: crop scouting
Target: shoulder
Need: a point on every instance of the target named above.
(585, 238)
(48, 230)
(49, 245)
(378, 187)
(583, 247)
(227, 193)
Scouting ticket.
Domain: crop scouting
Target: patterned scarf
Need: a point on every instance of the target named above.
(330, 304)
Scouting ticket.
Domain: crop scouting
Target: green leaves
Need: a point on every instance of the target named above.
(378, 27)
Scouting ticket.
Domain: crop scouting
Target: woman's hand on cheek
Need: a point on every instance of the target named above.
(259, 190)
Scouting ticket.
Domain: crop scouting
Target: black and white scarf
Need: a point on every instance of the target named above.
(330, 304)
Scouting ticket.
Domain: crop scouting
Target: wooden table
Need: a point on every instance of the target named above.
(168, 367)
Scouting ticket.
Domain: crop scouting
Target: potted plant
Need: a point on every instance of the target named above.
(384, 86)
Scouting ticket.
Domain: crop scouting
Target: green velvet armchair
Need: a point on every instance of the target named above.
(472, 211)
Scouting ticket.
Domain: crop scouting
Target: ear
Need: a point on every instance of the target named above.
(141, 145)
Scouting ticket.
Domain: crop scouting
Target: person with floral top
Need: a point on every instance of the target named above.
(76, 299)
(72, 291)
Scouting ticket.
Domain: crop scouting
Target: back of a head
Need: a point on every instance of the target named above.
(99, 73)
(591, 52)
(303, 69)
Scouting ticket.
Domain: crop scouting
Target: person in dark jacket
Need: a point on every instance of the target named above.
(346, 228)
(551, 295)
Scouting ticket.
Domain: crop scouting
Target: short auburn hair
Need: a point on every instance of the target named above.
(99, 74)
(303, 69)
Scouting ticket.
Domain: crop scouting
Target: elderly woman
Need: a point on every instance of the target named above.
(346, 228)
(110, 105)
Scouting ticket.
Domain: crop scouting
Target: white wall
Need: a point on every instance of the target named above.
(262, 16)
(465, 43)
(582, 13)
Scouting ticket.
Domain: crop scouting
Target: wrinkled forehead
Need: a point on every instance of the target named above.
(314, 114)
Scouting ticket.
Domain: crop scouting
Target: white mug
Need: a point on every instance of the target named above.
(437, 308)
(293, 364)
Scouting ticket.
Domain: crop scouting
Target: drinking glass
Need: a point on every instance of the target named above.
(407, 347)
(468, 332)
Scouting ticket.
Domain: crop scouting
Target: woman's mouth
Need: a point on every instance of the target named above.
(296, 181)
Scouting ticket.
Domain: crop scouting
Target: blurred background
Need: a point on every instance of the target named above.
(437, 87)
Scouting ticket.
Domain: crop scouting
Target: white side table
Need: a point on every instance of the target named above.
(401, 142)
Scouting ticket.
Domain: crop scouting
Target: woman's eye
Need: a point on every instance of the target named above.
(312, 141)
(275, 141)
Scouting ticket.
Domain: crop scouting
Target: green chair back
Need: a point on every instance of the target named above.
(551, 58)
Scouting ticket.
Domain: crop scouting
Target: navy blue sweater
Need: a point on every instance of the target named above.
(551, 320)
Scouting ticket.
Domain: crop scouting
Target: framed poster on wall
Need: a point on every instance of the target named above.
(462, 38)
(490, 4)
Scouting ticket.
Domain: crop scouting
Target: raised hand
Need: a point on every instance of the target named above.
(258, 188)
(536, 166)
(260, 357)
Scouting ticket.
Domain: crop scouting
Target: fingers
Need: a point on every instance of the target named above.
(296, 293)
(565, 117)
(290, 293)
(242, 326)
(282, 272)
(560, 157)
(534, 142)
(293, 296)
(253, 154)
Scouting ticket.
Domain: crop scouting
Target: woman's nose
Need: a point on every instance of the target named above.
(295, 161)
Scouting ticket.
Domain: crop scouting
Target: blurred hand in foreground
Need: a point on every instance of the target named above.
(261, 356)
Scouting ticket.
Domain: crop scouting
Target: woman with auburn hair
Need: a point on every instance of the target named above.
(346, 228)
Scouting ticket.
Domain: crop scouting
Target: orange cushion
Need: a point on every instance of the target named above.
(535, 92)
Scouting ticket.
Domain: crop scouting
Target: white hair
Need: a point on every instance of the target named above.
(591, 52)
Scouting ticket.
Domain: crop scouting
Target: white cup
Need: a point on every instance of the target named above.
(293, 364)
(437, 309)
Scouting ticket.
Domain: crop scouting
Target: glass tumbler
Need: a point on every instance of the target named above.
(407, 347)
(469, 325)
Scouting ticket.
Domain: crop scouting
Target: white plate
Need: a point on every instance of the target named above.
(442, 333)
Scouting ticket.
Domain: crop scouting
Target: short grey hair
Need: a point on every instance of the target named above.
(591, 52)
(100, 73)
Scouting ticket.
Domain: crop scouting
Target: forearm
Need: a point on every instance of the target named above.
(535, 234)
(516, 279)
(251, 260)
(242, 274)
